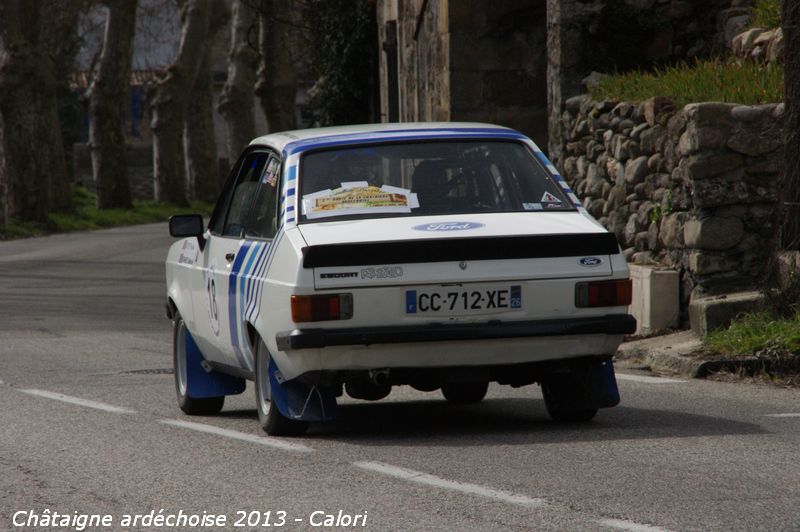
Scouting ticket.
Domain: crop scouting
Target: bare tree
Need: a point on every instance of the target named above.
(171, 101)
(34, 171)
(277, 80)
(790, 21)
(236, 102)
(108, 97)
(198, 134)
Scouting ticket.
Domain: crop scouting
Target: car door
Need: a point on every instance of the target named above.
(227, 256)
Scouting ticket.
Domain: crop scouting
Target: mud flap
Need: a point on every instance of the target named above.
(299, 401)
(606, 393)
(201, 384)
(591, 385)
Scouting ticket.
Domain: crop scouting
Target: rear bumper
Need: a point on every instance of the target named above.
(612, 324)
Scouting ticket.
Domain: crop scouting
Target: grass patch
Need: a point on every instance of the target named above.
(86, 216)
(758, 333)
(766, 14)
(747, 83)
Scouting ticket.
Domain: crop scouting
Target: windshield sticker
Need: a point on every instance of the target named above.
(358, 197)
(532, 206)
(271, 174)
(549, 198)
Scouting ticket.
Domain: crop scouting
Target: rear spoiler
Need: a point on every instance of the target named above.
(458, 249)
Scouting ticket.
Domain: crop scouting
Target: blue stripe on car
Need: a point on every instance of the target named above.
(267, 264)
(232, 314)
(254, 281)
(389, 136)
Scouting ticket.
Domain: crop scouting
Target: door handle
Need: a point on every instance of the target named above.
(230, 256)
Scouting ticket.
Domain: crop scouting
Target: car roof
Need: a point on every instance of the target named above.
(301, 139)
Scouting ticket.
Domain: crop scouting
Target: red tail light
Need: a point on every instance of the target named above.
(603, 293)
(322, 307)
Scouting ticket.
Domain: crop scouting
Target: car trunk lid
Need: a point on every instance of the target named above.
(477, 248)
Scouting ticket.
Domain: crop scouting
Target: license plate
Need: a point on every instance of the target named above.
(459, 300)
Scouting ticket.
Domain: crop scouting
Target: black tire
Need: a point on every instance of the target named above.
(465, 392)
(193, 406)
(558, 392)
(269, 417)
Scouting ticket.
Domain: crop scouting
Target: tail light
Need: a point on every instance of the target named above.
(322, 307)
(603, 293)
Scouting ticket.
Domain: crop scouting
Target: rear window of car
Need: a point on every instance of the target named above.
(426, 178)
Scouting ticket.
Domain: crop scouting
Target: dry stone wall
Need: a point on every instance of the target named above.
(695, 189)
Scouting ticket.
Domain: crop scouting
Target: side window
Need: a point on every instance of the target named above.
(262, 221)
(244, 193)
(217, 221)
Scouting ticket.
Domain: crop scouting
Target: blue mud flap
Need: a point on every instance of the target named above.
(586, 385)
(606, 392)
(199, 383)
(299, 401)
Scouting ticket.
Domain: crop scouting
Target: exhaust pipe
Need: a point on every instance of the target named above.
(379, 377)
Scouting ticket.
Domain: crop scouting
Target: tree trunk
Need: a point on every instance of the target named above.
(277, 82)
(108, 103)
(791, 189)
(198, 136)
(236, 102)
(34, 168)
(198, 133)
(171, 102)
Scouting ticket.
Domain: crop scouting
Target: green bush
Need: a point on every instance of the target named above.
(746, 83)
(754, 332)
(766, 14)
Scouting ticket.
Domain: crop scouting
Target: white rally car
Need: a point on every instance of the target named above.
(438, 255)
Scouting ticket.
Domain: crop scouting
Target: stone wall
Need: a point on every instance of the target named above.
(584, 36)
(694, 189)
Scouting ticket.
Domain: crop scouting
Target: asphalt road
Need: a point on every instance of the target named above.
(88, 425)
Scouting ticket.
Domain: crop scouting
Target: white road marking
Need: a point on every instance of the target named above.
(784, 415)
(78, 401)
(648, 380)
(621, 524)
(431, 480)
(241, 436)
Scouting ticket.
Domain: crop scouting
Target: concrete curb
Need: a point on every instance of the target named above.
(680, 354)
(674, 354)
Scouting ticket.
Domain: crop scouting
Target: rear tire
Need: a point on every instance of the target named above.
(269, 417)
(193, 406)
(465, 392)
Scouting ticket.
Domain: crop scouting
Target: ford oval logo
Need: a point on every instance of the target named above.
(590, 261)
(448, 226)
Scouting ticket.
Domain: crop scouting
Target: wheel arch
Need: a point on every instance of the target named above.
(253, 336)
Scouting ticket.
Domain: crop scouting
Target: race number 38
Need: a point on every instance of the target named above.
(211, 296)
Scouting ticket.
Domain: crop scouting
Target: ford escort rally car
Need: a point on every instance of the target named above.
(443, 256)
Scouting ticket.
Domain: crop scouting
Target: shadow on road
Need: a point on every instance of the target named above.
(505, 421)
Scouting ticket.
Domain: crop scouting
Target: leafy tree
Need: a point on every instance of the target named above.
(343, 57)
